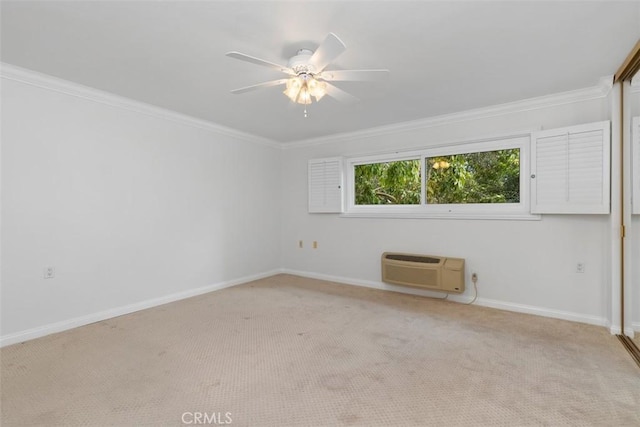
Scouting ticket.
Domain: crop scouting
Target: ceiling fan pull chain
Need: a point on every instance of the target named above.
(305, 112)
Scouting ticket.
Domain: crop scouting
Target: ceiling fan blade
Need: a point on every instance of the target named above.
(354, 75)
(259, 86)
(340, 95)
(329, 50)
(264, 63)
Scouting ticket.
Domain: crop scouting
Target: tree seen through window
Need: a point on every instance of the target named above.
(482, 177)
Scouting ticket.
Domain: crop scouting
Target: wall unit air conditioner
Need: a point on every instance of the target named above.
(424, 271)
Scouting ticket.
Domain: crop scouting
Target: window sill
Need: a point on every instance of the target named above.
(443, 215)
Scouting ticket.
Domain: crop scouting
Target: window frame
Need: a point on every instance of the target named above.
(519, 210)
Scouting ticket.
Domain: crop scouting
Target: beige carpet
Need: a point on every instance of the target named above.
(287, 351)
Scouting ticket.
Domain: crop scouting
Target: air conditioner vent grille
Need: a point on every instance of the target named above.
(414, 258)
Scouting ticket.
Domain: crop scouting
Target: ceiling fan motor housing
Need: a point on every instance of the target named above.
(300, 64)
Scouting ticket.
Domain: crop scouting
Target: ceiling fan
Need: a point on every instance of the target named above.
(307, 77)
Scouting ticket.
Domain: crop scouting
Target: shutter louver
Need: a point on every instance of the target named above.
(570, 170)
(585, 168)
(325, 185)
(551, 177)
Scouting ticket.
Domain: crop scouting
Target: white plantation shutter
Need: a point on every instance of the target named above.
(325, 185)
(570, 170)
(549, 174)
(635, 170)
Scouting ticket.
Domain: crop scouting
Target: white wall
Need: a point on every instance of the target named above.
(128, 207)
(522, 265)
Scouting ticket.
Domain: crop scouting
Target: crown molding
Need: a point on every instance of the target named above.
(44, 81)
(605, 84)
(601, 90)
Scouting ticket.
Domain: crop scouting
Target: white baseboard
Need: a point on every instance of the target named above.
(502, 305)
(630, 332)
(131, 308)
(615, 330)
(64, 325)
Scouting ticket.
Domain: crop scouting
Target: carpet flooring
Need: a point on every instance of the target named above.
(290, 351)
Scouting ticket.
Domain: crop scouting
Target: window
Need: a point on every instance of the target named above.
(556, 171)
(388, 183)
(477, 179)
(481, 177)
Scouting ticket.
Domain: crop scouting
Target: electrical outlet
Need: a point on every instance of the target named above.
(49, 272)
(474, 277)
(300, 244)
(580, 267)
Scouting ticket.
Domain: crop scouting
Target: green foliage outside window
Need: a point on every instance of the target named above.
(484, 177)
(390, 183)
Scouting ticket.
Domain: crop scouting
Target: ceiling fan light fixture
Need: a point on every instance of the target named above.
(302, 87)
(294, 85)
(305, 96)
(317, 88)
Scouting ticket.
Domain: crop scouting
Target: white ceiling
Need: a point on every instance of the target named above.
(444, 57)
